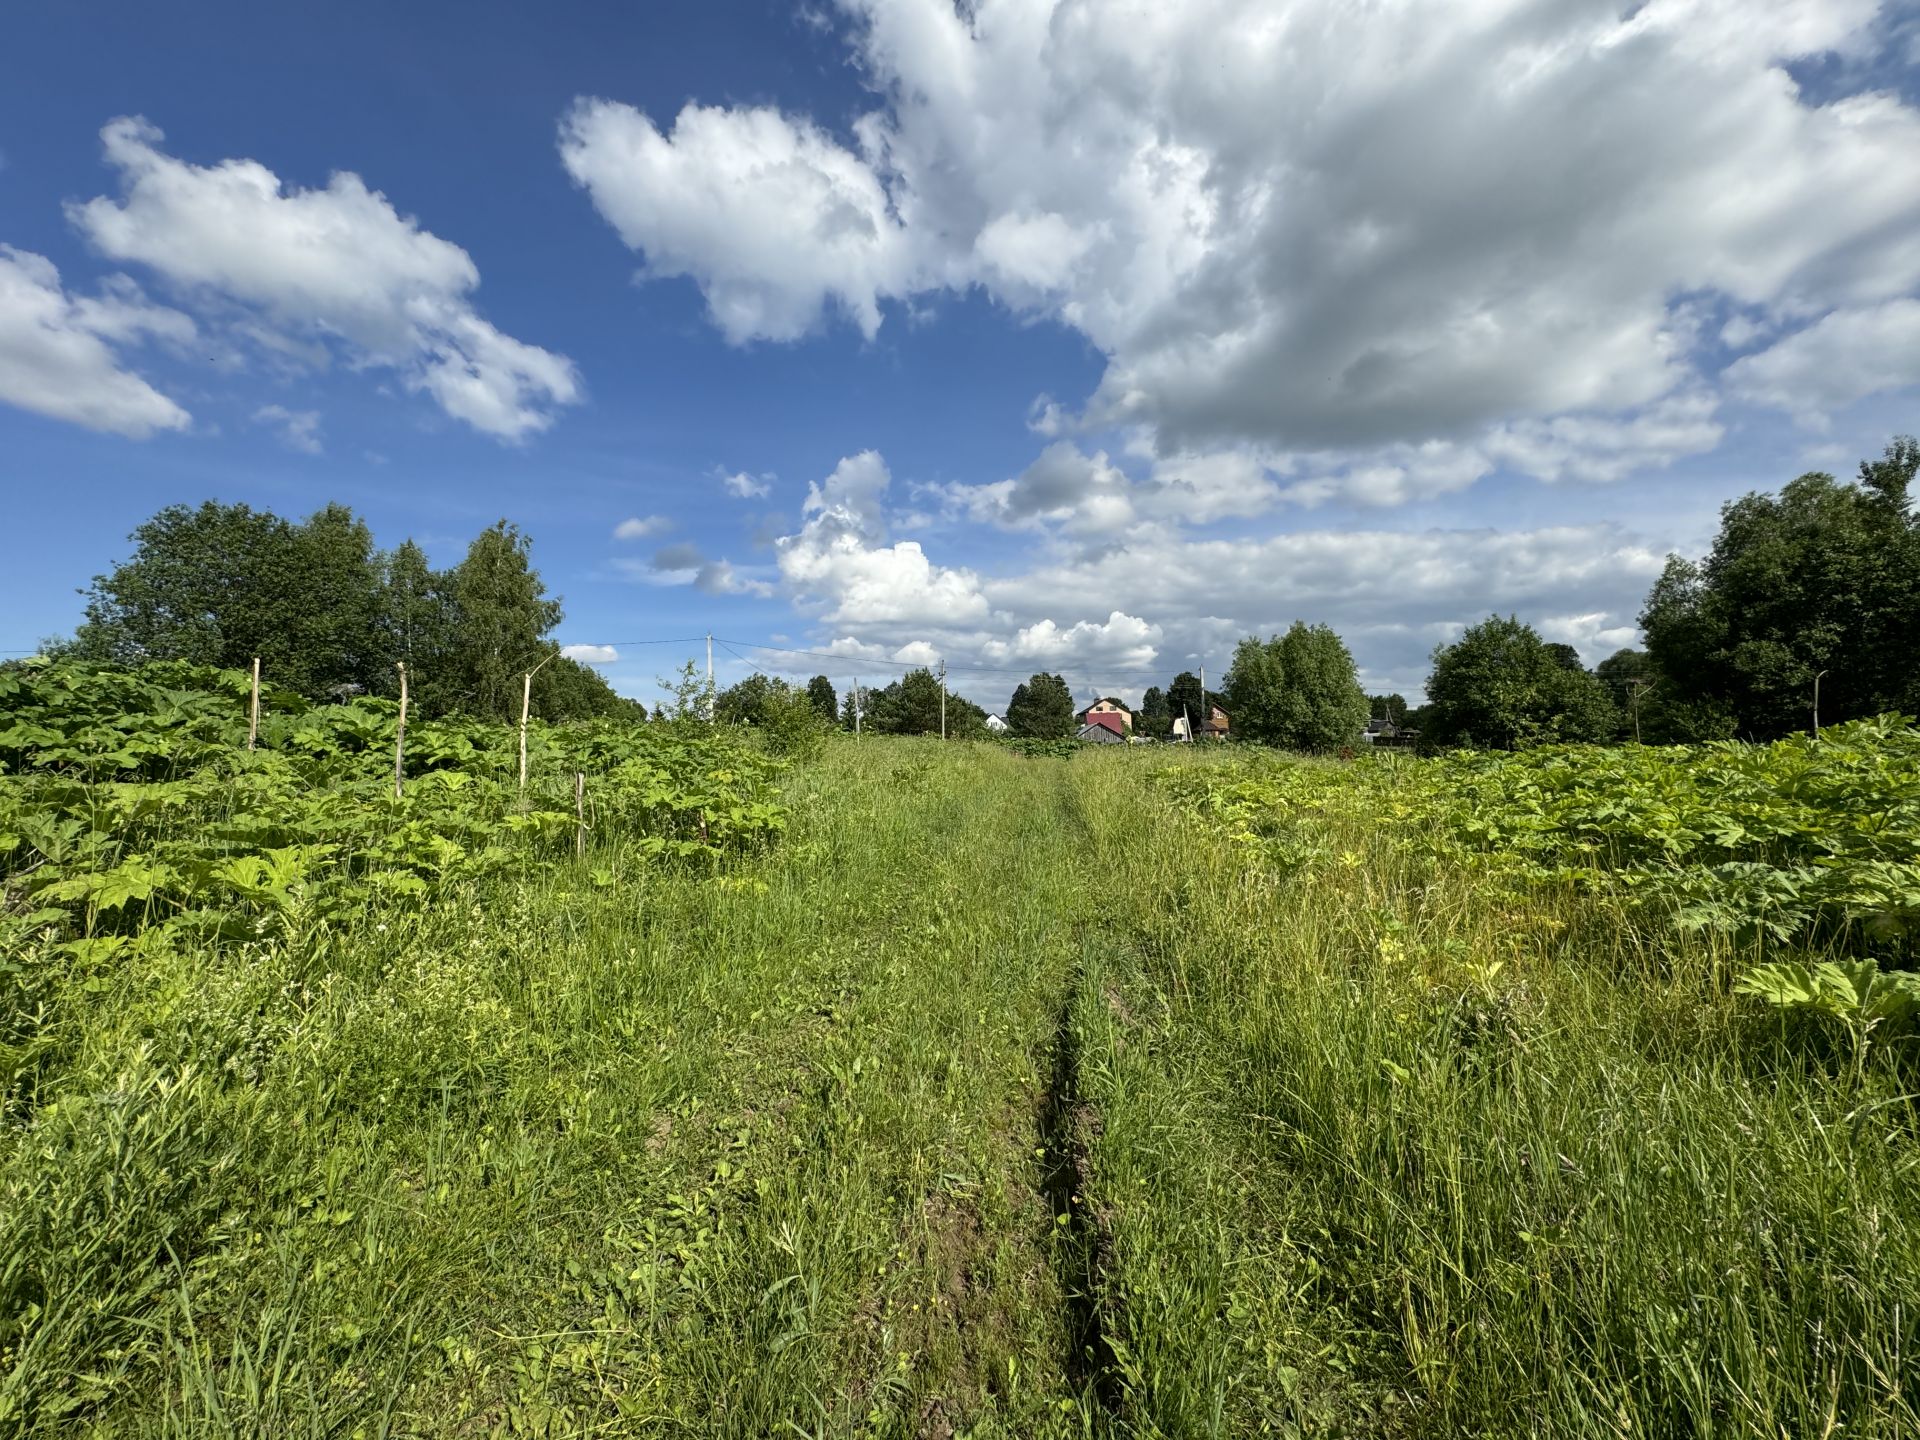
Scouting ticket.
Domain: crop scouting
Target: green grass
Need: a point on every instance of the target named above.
(1002, 1097)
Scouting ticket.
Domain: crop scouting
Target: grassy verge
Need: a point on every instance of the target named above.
(1390, 1150)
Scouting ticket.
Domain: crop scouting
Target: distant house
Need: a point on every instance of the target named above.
(1106, 720)
(1098, 732)
(1214, 727)
(1107, 705)
(996, 725)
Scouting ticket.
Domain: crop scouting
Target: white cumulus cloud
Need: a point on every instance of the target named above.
(324, 268)
(1319, 229)
(639, 527)
(774, 218)
(58, 355)
(591, 654)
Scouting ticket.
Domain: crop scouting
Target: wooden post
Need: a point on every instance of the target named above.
(253, 707)
(526, 704)
(580, 813)
(943, 699)
(400, 733)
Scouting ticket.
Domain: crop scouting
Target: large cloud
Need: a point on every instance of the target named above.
(57, 352)
(1141, 605)
(1321, 227)
(321, 268)
(773, 217)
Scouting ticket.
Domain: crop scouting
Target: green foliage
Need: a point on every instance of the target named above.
(224, 583)
(1036, 748)
(1500, 687)
(825, 703)
(1153, 718)
(1823, 580)
(422, 628)
(566, 689)
(1299, 691)
(1185, 698)
(1799, 842)
(132, 815)
(908, 706)
(1846, 990)
(504, 618)
(783, 716)
(329, 617)
(1041, 708)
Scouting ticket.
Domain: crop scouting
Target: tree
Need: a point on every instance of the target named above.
(1153, 717)
(418, 615)
(784, 716)
(1391, 708)
(1184, 699)
(504, 617)
(1041, 708)
(1501, 687)
(221, 584)
(739, 703)
(1820, 581)
(1299, 690)
(825, 702)
(565, 689)
(909, 706)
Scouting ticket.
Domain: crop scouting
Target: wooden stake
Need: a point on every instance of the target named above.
(526, 704)
(580, 813)
(400, 733)
(253, 708)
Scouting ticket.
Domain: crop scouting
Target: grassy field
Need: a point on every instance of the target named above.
(1003, 1096)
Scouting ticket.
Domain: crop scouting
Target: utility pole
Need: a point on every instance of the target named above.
(1816, 705)
(1206, 709)
(856, 707)
(1635, 690)
(709, 675)
(943, 699)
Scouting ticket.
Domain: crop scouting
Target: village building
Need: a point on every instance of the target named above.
(1108, 706)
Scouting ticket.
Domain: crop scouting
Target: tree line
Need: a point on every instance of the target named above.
(1806, 608)
(1808, 596)
(330, 615)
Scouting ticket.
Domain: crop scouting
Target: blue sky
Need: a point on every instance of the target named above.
(1080, 336)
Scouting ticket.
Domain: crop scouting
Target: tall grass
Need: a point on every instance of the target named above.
(1001, 1097)
(1392, 1150)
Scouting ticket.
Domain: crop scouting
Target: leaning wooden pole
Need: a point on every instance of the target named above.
(400, 734)
(253, 707)
(526, 704)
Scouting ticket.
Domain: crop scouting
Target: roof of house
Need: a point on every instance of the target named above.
(1101, 734)
(1107, 720)
(1113, 700)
